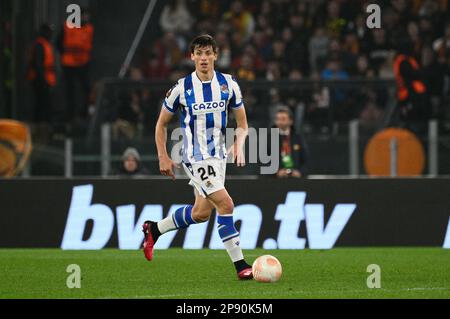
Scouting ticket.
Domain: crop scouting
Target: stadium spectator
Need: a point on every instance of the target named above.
(426, 31)
(273, 70)
(351, 44)
(208, 8)
(359, 28)
(175, 17)
(130, 114)
(263, 23)
(370, 116)
(262, 44)
(41, 73)
(295, 99)
(292, 151)
(75, 46)
(336, 53)
(153, 69)
(224, 60)
(334, 71)
(318, 110)
(412, 95)
(169, 50)
(335, 23)
(402, 11)
(241, 19)
(386, 70)
(442, 45)
(245, 69)
(131, 165)
(378, 48)
(427, 7)
(415, 37)
(296, 50)
(318, 49)
(433, 74)
(274, 105)
(362, 67)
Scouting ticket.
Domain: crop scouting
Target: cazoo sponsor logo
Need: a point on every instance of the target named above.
(290, 215)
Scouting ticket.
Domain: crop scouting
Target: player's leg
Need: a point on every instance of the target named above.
(187, 215)
(228, 233)
(182, 218)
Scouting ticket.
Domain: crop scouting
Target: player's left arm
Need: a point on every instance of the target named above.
(237, 105)
(241, 135)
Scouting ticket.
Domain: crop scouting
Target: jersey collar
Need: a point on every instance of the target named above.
(195, 76)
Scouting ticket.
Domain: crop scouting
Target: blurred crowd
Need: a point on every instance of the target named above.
(305, 39)
(297, 40)
(272, 40)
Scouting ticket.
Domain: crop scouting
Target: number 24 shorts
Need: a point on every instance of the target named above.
(207, 176)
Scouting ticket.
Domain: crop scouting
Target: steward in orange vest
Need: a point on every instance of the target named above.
(406, 70)
(41, 73)
(41, 65)
(77, 45)
(413, 102)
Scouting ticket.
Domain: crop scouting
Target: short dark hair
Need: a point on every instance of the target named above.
(203, 40)
(287, 110)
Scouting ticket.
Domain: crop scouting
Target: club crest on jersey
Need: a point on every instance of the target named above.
(209, 184)
(224, 88)
(208, 107)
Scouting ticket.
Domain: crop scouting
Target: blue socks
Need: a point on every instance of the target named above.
(183, 217)
(226, 227)
(230, 238)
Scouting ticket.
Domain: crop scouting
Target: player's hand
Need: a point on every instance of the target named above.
(240, 158)
(237, 155)
(166, 167)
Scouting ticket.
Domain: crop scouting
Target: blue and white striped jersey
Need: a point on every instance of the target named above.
(204, 110)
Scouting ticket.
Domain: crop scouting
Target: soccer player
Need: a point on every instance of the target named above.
(203, 99)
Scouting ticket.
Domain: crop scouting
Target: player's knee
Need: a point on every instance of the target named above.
(201, 215)
(227, 206)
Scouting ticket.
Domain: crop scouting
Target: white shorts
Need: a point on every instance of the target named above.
(207, 176)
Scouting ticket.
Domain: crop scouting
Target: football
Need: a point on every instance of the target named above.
(266, 268)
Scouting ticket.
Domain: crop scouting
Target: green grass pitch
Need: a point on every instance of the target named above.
(178, 273)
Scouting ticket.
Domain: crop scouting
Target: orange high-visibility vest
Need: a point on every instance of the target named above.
(77, 45)
(417, 85)
(49, 62)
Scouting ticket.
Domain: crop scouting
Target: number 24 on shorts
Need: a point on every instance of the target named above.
(202, 172)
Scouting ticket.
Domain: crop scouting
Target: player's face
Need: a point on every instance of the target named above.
(204, 58)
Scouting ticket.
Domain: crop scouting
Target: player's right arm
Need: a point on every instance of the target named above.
(167, 111)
